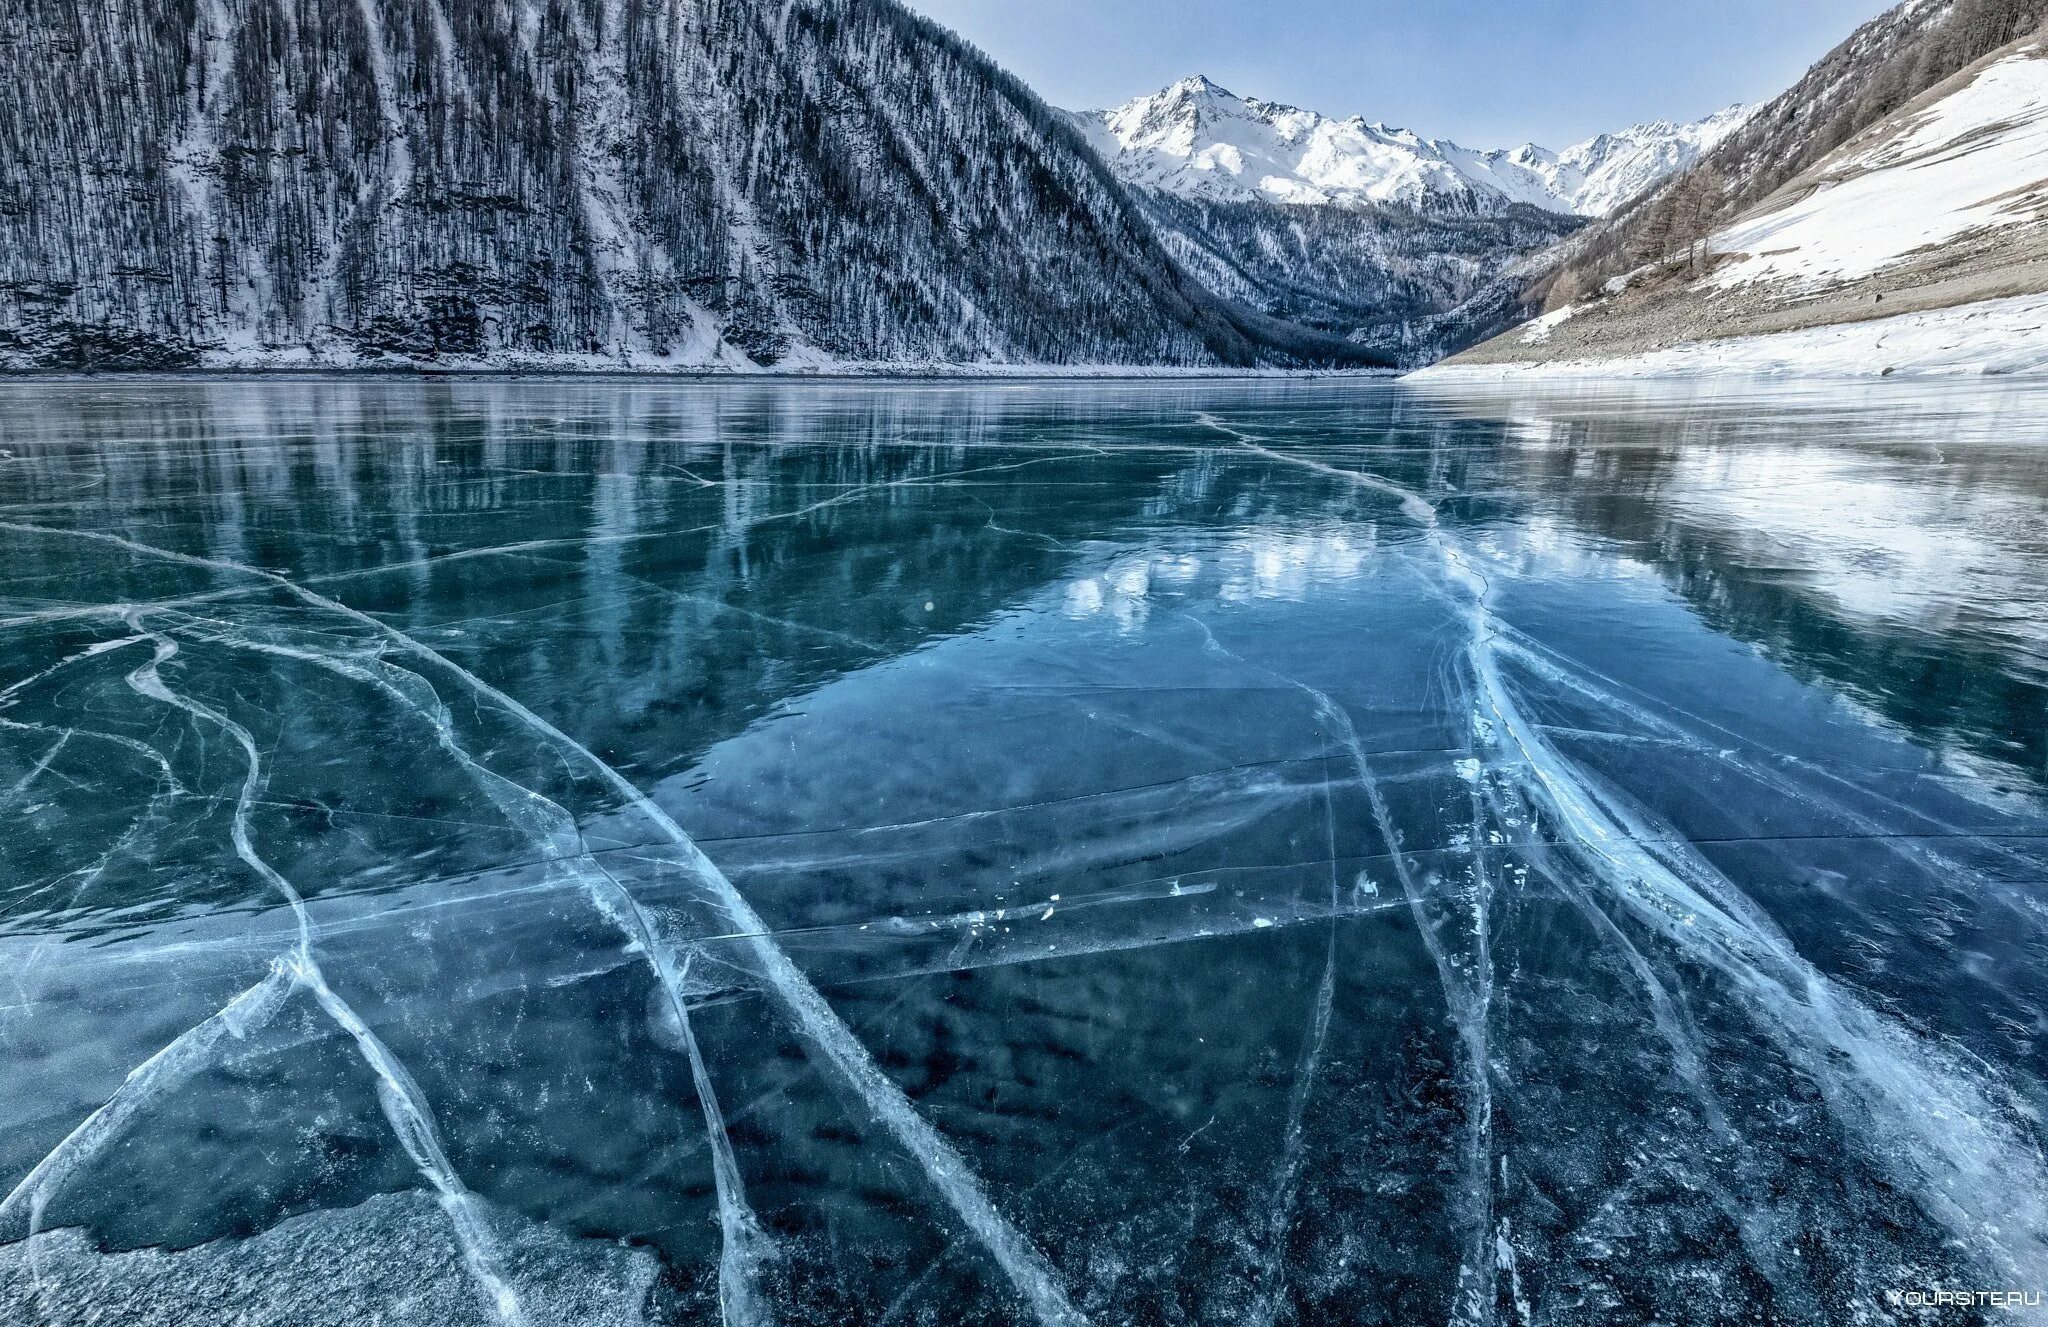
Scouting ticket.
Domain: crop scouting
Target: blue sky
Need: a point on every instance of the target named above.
(1485, 72)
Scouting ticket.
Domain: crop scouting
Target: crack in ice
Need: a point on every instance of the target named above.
(814, 1018)
(1964, 1162)
(404, 1104)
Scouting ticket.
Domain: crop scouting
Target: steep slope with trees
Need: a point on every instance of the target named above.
(562, 183)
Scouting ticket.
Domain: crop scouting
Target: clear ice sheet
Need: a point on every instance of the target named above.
(563, 853)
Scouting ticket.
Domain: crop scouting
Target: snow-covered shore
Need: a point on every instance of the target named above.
(1993, 337)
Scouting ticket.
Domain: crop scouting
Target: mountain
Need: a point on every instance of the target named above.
(1197, 140)
(1889, 213)
(1607, 170)
(563, 183)
(1407, 246)
(1404, 282)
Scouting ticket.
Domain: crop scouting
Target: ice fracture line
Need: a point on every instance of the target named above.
(1955, 1146)
(813, 1017)
(403, 1103)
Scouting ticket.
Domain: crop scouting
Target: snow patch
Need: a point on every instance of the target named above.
(1538, 331)
(1977, 158)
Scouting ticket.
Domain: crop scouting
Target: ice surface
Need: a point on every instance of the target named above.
(1224, 853)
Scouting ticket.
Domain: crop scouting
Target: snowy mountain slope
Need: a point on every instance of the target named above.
(1921, 244)
(1197, 140)
(1974, 161)
(1607, 170)
(1861, 84)
(562, 183)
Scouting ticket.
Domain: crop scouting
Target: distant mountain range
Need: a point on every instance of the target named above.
(1402, 244)
(1197, 140)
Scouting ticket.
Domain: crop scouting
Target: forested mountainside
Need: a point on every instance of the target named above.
(1917, 242)
(1409, 282)
(562, 183)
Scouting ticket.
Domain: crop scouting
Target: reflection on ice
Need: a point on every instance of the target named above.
(1200, 854)
(1884, 544)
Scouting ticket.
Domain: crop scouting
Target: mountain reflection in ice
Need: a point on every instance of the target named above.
(545, 853)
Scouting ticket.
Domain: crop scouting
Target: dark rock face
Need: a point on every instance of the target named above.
(697, 183)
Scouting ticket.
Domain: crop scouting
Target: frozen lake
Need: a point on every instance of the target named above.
(603, 853)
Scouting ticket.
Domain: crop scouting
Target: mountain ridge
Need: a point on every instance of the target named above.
(1197, 139)
(1401, 244)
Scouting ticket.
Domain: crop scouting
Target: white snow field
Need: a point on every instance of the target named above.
(1977, 158)
(2005, 337)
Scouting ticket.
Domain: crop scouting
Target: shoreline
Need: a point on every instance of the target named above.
(963, 374)
(2001, 338)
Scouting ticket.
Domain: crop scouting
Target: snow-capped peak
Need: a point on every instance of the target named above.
(1198, 139)
(1613, 168)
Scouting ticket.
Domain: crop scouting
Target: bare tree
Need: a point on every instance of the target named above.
(1698, 200)
(1567, 288)
(1654, 235)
